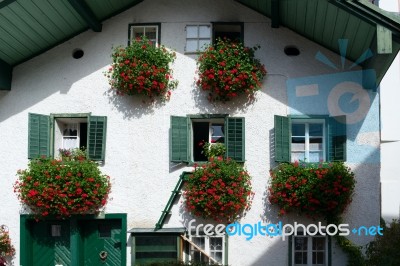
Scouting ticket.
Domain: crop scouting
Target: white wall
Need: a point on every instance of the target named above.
(390, 132)
(137, 150)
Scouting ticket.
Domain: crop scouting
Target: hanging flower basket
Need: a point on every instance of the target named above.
(142, 69)
(316, 190)
(6, 247)
(228, 69)
(62, 188)
(219, 189)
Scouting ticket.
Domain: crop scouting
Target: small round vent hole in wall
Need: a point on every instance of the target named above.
(291, 50)
(77, 53)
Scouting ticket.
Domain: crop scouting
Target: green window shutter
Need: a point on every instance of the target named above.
(337, 138)
(179, 146)
(282, 138)
(38, 135)
(97, 137)
(234, 139)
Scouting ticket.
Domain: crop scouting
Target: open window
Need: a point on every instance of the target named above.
(228, 30)
(310, 139)
(49, 133)
(188, 133)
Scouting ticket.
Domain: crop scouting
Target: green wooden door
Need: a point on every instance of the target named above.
(50, 243)
(101, 242)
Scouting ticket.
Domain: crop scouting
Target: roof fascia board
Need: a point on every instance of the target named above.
(87, 14)
(5, 75)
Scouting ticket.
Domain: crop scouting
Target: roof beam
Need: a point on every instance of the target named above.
(87, 14)
(5, 75)
(275, 18)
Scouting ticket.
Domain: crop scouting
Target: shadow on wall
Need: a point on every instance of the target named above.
(56, 72)
(236, 105)
(133, 106)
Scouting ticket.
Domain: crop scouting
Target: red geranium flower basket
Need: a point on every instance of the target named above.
(62, 188)
(228, 69)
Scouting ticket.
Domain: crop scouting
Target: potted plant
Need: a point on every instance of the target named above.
(142, 68)
(6, 247)
(219, 189)
(63, 188)
(228, 69)
(323, 189)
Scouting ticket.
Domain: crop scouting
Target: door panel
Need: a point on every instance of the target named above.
(101, 236)
(50, 243)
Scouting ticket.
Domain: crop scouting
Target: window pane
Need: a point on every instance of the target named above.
(151, 35)
(315, 129)
(298, 140)
(55, 230)
(192, 32)
(199, 241)
(197, 256)
(315, 157)
(217, 256)
(318, 243)
(204, 31)
(298, 129)
(300, 243)
(152, 243)
(203, 43)
(70, 142)
(191, 45)
(137, 32)
(216, 243)
(318, 258)
(298, 156)
(217, 133)
(315, 140)
(300, 258)
(298, 144)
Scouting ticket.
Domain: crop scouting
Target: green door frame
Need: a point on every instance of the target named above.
(26, 237)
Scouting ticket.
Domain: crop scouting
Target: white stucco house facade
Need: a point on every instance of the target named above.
(318, 83)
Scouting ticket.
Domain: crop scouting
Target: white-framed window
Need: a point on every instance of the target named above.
(197, 37)
(151, 31)
(311, 139)
(213, 246)
(309, 250)
(308, 140)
